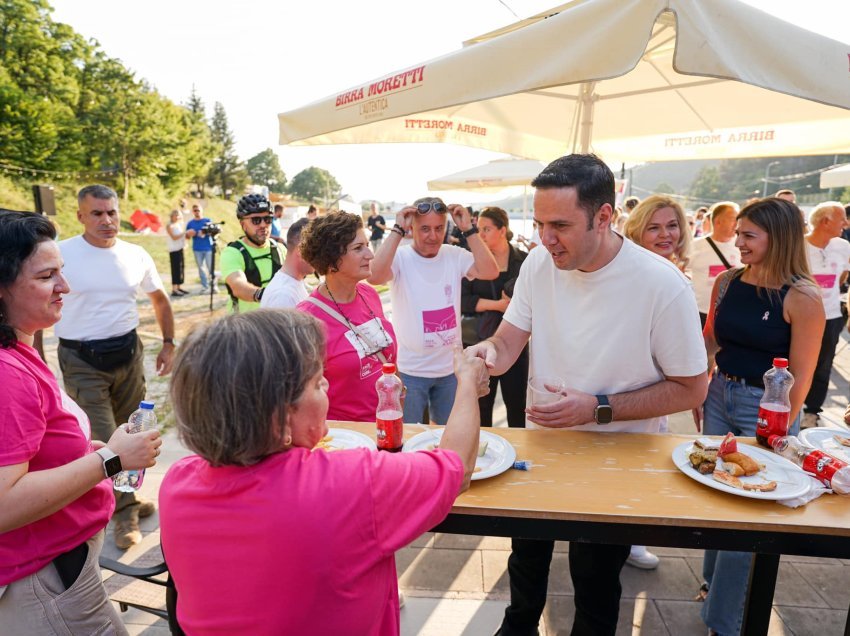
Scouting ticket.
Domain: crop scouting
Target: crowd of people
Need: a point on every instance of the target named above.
(713, 297)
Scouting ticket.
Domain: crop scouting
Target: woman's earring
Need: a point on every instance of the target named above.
(287, 440)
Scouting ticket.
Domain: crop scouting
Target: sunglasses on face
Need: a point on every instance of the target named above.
(260, 220)
(426, 206)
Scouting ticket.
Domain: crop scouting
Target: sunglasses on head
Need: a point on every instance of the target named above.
(259, 220)
(426, 206)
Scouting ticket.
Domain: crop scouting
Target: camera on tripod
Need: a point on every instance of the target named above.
(212, 229)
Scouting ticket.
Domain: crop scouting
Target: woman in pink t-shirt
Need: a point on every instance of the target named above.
(55, 499)
(359, 338)
(265, 536)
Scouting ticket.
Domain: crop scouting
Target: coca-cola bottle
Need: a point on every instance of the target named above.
(389, 413)
(775, 405)
(831, 471)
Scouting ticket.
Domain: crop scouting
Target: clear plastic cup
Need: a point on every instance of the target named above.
(545, 389)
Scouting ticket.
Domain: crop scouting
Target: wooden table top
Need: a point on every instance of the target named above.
(625, 478)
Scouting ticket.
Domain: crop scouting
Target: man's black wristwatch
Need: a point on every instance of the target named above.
(470, 232)
(603, 414)
(111, 461)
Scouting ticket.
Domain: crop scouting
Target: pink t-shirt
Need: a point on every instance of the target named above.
(41, 425)
(350, 368)
(301, 543)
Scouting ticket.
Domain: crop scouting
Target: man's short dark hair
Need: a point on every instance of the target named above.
(631, 203)
(293, 234)
(588, 174)
(278, 207)
(97, 191)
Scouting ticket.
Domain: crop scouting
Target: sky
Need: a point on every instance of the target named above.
(263, 57)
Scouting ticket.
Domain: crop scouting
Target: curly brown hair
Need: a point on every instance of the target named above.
(325, 239)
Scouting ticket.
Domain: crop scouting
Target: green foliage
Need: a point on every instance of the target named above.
(227, 172)
(315, 184)
(665, 188)
(264, 169)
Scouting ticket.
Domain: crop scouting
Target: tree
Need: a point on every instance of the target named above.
(199, 148)
(264, 169)
(314, 184)
(665, 188)
(227, 171)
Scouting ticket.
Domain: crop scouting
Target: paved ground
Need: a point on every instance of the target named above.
(458, 585)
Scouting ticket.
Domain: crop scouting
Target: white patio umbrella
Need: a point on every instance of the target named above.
(838, 177)
(643, 80)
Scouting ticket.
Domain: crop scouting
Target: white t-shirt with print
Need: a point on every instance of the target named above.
(425, 296)
(706, 266)
(618, 329)
(283, 292)
(827, 265)
(104, 282)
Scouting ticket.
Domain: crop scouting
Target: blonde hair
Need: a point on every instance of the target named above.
(822, 210)
(641, 216)
(785, 262)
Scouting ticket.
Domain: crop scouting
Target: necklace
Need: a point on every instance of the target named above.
(370, 348)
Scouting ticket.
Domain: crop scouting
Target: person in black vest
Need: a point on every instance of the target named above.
(248, 264)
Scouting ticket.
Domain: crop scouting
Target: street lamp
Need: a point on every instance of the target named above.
(766, 175)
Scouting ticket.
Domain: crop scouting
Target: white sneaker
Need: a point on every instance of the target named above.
(641, 558)
(810, 420)
(400, 599)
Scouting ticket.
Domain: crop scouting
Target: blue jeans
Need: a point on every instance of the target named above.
(729, 407)
(204, 261)
(438, 394)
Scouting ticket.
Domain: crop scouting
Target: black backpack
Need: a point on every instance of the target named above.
(252, 272)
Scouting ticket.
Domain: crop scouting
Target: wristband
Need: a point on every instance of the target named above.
(258, 295)
(470, 232)
(398, 230)
(168, 341)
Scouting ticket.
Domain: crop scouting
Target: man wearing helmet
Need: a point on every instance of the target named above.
(249, 263)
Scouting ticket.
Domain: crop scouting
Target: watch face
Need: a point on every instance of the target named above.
(604, 414)
(112, 466)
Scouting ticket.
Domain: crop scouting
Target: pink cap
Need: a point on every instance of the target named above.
(389, 367)
(782, 363)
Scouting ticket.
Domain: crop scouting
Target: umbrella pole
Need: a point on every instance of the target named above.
(588, 101)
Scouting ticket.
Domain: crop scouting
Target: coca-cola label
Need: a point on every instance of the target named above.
(822, 466)
(772, 422)
(390, 433)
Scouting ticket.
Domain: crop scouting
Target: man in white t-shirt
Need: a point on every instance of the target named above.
(425, 296)
(829, 260)
(714, 253)
(100, 354)
(617, 375)
(286, 288)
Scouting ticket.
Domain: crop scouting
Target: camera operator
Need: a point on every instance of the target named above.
(249, 263)
(202, 246)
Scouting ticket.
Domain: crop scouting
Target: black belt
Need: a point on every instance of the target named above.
(76, 344)
(756, 382)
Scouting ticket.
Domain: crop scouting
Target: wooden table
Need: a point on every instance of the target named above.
(621, 488)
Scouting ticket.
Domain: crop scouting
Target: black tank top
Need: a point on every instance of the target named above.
(750, 329)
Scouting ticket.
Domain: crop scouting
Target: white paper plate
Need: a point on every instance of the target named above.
(500, 454)
(824, 439)
(790, 479)
(342, 438)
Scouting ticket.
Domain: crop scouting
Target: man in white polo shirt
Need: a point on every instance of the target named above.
(286, 288)
(714, 253)
(617, 375)
(100, 354)
(829, 260)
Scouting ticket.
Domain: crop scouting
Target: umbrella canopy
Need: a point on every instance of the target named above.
(633, 80)
(491, 176)
(836, 177)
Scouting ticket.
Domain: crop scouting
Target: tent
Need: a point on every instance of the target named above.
(145, 221)
(838, 177)
(644, 80)
(491, 176)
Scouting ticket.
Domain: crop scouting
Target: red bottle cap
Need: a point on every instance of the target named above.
(782, 363)
(388, 367)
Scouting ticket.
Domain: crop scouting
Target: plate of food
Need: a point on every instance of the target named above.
(495, 453)
(342, 438)
(835, 441)
(746, 471)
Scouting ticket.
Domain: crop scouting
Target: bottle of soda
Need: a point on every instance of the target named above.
(775, 406)
(389, 413)
(142, 419)
(829, 470)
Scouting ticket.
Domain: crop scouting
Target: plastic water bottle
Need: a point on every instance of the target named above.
(830, 471)
(142, 419)
(390, 435)
(775, 406)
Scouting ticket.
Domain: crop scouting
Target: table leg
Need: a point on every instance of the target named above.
(760, 594)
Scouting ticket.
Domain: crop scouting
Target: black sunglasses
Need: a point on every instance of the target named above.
(426, 206)
(259, 220)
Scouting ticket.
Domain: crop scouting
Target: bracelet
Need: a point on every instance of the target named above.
(168, 341)
(258, 295)
(470, 232)
(398, 230)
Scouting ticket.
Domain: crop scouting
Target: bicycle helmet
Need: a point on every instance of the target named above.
(252, 204)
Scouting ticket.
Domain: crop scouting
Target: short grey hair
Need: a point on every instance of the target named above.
(96, 191)
(823, 210)
(720, 207)
(236, 380)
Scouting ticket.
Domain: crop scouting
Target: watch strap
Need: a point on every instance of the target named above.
(110, 460)
(469, 232)
(603, 400)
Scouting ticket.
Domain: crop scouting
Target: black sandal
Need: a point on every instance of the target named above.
(703, 592)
